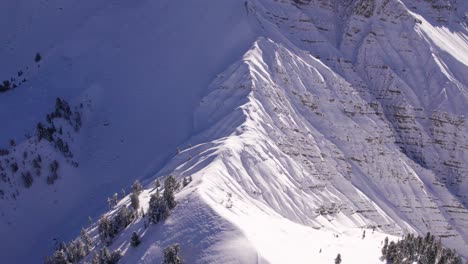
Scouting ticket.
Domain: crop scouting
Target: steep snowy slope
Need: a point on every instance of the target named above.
(259, 177)
(124, 60)
(343, 116)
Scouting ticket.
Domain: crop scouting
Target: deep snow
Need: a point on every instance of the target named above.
(301, 125)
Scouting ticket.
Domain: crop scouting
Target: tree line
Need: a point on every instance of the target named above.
(416, 249)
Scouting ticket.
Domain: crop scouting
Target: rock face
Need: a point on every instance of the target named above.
(342, 116)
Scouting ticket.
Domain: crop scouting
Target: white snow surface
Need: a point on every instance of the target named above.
(301, 123)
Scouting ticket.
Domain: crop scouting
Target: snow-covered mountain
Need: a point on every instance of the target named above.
(301, 124)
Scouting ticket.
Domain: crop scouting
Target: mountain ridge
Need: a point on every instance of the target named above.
(319, 135)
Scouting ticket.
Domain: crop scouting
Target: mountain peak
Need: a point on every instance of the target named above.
(262, 131)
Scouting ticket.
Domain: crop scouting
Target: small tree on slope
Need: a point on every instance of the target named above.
(169, 188)
(135, 201)
(338, 259)
(171, 255)
(135, 240)
(137, 188)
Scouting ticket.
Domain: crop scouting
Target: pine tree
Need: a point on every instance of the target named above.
(137, 188)
(135, 240)
(158, 209)
(186, 181)
(158, 184)
(76, 251)
(135, 201)
(171, 255)
(60, 257)
(124, 217)
(27, 179)
(38, 57)
(87, 241)
(113, 201)
(338, 259)
(106, 229)
(385, 246)
(95, 259)
(168, 194)
(391, 252)
(115, 257)
(104, 255)
(63, 247)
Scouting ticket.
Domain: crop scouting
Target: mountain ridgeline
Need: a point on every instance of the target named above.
(262, 131)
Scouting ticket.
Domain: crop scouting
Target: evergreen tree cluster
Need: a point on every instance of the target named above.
(160, 206)
(6, 85)
(73, 252)
(63, 110)
(44, 132)
(104, 256)
(108, 227)
(53, 172)
(158, 209)
(14, 82)
(4, 152)
(47, 131)
(29, 163)
(421, 250)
